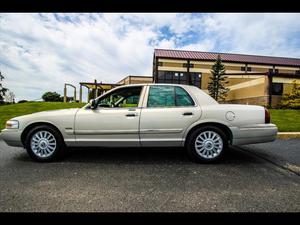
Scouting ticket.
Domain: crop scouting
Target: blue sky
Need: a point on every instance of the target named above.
(40, 52)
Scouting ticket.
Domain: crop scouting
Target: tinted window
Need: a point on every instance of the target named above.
(182, 97)
(121, 98)
(164, 96)
(161, 96)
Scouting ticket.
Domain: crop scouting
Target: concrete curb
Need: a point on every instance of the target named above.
(288, 135)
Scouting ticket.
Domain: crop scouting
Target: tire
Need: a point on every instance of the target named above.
(211, 144)
(44, 144)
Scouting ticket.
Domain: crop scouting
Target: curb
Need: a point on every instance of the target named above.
(288, 135)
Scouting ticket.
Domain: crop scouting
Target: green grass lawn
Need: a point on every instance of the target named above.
(285, 119)
(9, 111)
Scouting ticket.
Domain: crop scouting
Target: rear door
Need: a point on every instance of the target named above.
(168, 110)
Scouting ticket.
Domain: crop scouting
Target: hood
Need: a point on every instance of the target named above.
(59, 112)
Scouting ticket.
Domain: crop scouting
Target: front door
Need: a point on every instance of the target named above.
(115, 122)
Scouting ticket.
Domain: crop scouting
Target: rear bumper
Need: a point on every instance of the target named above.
(11, 137)
(257, 133)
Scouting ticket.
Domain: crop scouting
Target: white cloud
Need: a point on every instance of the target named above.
(41, 52)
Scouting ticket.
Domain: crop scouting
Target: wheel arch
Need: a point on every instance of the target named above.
(221, 126)
(35, 124)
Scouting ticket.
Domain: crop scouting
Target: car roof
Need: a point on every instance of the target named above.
(155, 84)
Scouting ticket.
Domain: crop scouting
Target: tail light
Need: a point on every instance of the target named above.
(267, 116)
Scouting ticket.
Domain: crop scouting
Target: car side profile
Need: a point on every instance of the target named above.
(143, 115)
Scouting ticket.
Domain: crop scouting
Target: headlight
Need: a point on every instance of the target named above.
(12, 124)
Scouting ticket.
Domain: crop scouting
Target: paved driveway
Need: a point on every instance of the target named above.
(142, 180)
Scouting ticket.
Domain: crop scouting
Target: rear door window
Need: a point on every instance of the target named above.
(161, 96)
(168, 96)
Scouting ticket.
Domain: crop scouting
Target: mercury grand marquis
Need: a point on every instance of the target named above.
(143, 115)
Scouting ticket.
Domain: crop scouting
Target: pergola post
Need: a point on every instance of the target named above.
(270, 81)
(65, 91)
(80, 93)
(95, 90)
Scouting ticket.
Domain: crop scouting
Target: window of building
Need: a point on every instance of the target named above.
(277, 88)
(160, 63)
(272, 71)
(243, 68)
(182, 98)
(186, 65)
(179, 78)
(297, 72)
(196, 79)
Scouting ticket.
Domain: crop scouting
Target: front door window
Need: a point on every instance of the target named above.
(121, 98)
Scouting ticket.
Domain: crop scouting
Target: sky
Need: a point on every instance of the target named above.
(40, 52)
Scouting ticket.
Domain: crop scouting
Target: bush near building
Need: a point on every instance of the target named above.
(291, 100)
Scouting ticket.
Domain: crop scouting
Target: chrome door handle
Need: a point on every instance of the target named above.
(131, 114)
(187, 114)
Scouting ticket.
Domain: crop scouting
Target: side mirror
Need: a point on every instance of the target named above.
(93, 103)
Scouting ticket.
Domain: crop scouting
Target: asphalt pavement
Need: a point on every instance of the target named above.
(147, 180)
(282, 152)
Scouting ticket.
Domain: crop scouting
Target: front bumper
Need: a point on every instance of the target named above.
(11, 137)
(257, 133)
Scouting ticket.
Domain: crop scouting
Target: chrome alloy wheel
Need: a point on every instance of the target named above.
(209, 144)
(43, 144)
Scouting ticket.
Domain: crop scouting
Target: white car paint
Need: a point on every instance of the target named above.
(157, 126)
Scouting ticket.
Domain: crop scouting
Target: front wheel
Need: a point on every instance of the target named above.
(206, 144)
(44, 143)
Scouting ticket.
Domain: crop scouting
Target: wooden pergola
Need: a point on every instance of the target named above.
(95, 89)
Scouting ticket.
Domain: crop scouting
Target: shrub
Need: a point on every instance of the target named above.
(291, 100)
(51, 97)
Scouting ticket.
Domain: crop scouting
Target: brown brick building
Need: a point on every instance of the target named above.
(252, 79)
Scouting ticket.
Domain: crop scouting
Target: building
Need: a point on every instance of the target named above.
(136, 80)
(259, 80)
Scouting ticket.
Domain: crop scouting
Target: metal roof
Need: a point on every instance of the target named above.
(229, 57)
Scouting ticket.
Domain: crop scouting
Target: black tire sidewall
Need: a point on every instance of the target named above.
(58, 152)
(190, 144)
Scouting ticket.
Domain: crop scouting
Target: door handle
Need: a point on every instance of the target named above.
(187, 114)
(131, 114)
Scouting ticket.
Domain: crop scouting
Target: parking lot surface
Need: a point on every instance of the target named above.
(145, 180)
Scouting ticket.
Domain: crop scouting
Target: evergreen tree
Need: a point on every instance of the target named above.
(216, 87)
(3, 90)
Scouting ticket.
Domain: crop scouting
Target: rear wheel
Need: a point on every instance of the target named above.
(206, 144)
(44, 143)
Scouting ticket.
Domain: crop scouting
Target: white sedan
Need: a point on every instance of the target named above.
(143, 115)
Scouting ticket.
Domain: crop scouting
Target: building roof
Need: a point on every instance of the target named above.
(229, 57)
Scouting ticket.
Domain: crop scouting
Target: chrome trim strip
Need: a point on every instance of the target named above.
(160, 131)
(105, 132)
